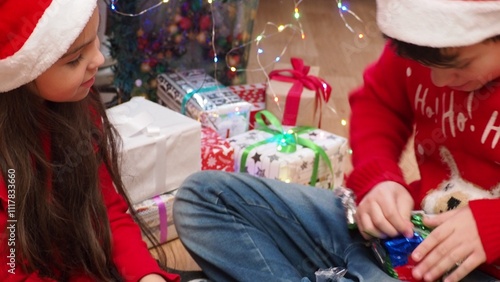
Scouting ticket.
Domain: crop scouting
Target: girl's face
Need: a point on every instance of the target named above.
(71, 77)
(475, 66)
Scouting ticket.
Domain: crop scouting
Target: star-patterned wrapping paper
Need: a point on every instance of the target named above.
(267, 161)
(216, 153)
(202, 97)
(157, 214)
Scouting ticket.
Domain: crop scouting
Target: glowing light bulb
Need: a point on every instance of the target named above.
(233, 69)
(166, 1)
(260, 51)
(216, 59)
(281, 28)
(209, 1)
(259, 38)
(361, 36)
(278, 59)
(343, 122)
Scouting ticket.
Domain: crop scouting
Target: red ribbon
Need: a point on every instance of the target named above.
(300, 79)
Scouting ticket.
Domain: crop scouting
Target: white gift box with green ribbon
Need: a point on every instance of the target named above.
(160, 147)
(303, 155)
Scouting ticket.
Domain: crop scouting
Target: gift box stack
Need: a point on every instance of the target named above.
(203, 98)
(160, 149)
(198, 123)
(179, 35)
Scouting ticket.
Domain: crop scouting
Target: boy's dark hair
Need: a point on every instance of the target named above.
(439, 57)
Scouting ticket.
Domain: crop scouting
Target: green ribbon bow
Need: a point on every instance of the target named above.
(286, 141)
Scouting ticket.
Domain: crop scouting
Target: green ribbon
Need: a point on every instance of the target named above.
(286, 141)
(191, 93)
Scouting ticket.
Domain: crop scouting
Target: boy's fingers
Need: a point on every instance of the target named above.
(436, 220)
(404, 224)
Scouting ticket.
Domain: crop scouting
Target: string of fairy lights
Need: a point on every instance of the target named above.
(270, 29)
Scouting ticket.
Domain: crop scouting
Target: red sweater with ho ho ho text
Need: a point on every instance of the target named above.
(129, 252)
(456, 142)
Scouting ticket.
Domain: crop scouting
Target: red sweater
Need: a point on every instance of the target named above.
(456, 142)
(130, 253)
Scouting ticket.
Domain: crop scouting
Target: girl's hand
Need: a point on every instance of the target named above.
(454, 242)
(152, 278)
(385, 211)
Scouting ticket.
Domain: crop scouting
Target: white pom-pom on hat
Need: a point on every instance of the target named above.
(439, 23)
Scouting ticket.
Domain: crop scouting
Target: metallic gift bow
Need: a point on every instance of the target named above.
(300, 79)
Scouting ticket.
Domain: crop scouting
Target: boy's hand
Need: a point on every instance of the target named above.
(454, 242)
(385, 211)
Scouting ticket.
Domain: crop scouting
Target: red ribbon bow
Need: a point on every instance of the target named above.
(300, 79)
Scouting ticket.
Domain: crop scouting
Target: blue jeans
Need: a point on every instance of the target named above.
(243, 228)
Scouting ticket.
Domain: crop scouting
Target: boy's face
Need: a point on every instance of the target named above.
(71, 77)
(475, 66)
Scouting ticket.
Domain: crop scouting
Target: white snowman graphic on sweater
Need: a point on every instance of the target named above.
(454, 192)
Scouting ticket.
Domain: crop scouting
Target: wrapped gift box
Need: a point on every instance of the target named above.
(394, 254)
(296, 95)
(254, 94)
(156, 213)
(256, 107)
(179, 35)
(203, 98)
(216, 153)
(160, 147)
(263, 158)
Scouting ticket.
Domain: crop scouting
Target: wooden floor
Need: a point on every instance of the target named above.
(341, 55)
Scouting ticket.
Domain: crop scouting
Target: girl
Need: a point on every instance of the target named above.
(60, 215)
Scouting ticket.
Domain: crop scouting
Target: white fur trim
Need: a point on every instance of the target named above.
(57, 29)
(439, 23)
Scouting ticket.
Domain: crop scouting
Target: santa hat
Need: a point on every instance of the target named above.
(439, 23)
(35, 34)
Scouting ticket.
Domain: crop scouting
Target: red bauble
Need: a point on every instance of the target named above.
(205, 22)
(185, 23)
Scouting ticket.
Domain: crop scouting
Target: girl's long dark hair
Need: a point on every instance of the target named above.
(62, 224)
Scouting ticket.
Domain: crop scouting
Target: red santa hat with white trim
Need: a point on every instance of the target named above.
(439, 23)
(35, 34)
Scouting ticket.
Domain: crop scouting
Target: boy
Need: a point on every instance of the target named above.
(448, 96)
